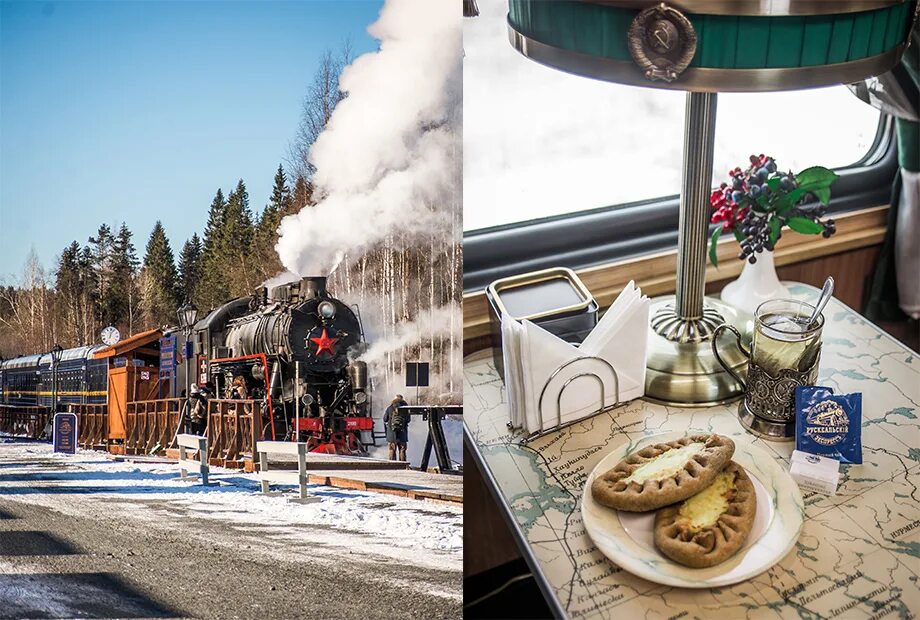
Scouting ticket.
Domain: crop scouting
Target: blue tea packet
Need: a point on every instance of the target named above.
(827, 424)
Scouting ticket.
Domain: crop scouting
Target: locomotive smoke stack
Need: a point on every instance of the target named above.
(312, 287)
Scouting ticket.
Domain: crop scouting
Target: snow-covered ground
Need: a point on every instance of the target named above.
(365, 522)
(87, 536)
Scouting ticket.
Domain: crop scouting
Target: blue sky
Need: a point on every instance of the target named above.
(138, 111)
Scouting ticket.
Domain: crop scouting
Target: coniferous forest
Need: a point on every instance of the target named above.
(109, 280)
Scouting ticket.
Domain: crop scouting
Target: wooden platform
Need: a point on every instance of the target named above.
(405, 483)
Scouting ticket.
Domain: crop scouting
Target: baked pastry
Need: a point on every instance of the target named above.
(664, 473)
(711, 526)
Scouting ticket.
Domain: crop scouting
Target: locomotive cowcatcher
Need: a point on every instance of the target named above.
(292, 347)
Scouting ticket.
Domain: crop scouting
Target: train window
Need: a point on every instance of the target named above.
(553, 157)
(546, 143)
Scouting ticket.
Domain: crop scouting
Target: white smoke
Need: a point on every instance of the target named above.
(391, 150)
(387, 346)
(439, 321)
(285, 277)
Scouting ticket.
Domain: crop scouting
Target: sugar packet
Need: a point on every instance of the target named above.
(827, 424)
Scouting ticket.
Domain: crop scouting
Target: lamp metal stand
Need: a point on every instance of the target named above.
(681, 368)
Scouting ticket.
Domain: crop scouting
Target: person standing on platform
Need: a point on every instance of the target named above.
(198, 416)
(396, 423)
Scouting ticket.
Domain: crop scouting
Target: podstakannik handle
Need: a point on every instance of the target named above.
(715, 351)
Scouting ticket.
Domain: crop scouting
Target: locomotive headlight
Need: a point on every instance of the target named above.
(327, 310)
(307, 399)
(360, 397)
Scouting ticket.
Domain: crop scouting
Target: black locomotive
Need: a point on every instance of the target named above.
(292, 347)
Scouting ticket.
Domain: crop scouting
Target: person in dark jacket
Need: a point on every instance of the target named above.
(198, 415)
(396, 423)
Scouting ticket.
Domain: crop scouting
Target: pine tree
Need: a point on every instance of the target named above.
(212, 288)
(216, 216)
(69, 287)
(101, 250)
(267, 263)
(88, 298)
(159, 298)
(233, 250)
(122, 302)
(190, 268)
(302, 195)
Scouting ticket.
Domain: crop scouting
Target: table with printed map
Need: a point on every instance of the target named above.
(858, 555)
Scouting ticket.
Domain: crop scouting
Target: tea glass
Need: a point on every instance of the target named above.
(785, 352)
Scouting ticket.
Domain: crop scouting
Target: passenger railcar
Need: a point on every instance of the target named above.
(29, 380)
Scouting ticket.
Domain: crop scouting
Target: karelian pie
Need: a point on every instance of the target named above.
(711, 526)
(664, 473)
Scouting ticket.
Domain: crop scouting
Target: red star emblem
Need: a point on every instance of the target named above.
(324, 343)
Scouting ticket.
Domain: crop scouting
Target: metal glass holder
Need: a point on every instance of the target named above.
(603, 399)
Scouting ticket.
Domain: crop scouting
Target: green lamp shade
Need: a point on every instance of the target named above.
(734, 52)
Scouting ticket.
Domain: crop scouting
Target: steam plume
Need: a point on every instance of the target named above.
(390, 153)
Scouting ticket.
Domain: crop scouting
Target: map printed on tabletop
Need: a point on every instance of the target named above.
(858, 555)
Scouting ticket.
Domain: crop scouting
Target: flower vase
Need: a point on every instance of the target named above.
(757, 283)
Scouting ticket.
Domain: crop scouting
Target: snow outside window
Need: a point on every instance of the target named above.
(538, 142)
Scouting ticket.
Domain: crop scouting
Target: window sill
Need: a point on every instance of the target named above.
(656, 273)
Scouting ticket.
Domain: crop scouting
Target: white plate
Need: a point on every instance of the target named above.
(626, 538)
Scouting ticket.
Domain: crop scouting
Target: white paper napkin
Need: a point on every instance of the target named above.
(532, 355)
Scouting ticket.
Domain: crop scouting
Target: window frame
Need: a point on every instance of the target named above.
(618, 232)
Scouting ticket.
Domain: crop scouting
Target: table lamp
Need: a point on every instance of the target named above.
(705, 47)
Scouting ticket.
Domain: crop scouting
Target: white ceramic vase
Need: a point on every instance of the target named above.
(757, 283)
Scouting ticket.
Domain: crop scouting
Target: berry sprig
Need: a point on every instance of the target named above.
(759, 201)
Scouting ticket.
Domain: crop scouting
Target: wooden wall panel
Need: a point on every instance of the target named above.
(487, 542)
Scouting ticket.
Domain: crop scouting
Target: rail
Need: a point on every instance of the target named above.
(24, 420)
(150, 425)
(93, 425)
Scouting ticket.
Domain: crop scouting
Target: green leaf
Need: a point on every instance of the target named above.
(818, 176)
(823, 194)
(774, 183)
(775, 225)
(804, 225)
(713, 242)
(739, 237)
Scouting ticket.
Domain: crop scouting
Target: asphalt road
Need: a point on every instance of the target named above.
(86, 559)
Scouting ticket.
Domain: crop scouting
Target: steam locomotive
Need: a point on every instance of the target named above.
(293, 347)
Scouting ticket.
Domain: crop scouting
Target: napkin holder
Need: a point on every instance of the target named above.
(603, 395)
(555, 299)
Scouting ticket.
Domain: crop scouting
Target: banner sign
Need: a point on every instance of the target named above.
(65, 433)
(167, 356)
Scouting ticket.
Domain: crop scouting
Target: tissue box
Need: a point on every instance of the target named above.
(555, 299)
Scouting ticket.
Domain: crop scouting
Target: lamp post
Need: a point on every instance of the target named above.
(56, 352)
(188, 314)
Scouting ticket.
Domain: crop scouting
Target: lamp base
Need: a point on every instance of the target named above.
(686, 374)
(763, 428)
